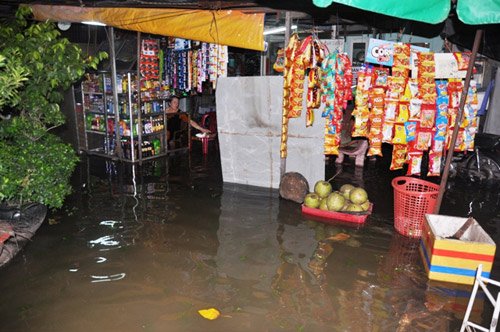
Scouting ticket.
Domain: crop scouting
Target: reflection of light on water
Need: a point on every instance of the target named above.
(99, 260)
(135, 193)
(110, 223)
(105, 241)
(112, 277)
(73, 270)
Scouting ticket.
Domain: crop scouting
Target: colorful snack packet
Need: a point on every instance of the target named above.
(442, 106)
(403, 112)
(415, 106)
(399, 134)
(423, 140)
(415, 163)
(441, 88)
(390, 108)
(435, 159)
(427, 115)
(411, 130)
(387, 132)
(441, 128)
(398, 156)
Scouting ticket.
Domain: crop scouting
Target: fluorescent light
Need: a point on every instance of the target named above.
(94, 23)
(278, 30)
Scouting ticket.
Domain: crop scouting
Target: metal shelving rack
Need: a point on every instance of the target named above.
(110, 139)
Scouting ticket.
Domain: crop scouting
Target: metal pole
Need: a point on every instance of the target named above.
(118, 145)
(288, 27)
(139, 106)
(458, 121)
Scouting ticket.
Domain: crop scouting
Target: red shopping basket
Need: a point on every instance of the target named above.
(413, 198)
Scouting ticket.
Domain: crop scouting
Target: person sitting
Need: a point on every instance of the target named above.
(175, 118)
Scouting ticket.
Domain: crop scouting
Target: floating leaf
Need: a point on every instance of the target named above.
(209, 314)
(339, 237)
(53, 221)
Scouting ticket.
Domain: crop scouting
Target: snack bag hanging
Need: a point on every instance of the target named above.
(279, 64)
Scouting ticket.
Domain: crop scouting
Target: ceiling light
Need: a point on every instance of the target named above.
(278, 30)
(94, 23)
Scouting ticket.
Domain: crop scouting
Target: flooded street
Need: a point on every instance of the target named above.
(144, 248)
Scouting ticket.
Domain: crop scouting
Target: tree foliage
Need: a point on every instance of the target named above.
(36, 65)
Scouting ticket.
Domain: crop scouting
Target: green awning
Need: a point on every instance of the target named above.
(428, 11)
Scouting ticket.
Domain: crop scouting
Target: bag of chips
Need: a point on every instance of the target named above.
(398, 157)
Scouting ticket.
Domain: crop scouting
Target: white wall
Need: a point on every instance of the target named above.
(249, 122)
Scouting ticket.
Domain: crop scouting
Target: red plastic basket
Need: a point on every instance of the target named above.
(413, 198)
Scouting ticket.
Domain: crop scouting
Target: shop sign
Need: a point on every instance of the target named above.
(381, 51)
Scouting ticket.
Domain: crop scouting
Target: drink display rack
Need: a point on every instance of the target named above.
(139, 121)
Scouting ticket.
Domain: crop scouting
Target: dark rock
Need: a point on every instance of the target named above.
(294, 187)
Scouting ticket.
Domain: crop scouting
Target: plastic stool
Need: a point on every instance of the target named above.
(354, 148)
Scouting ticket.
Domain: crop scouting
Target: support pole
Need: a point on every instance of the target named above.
(116, 111)
(139, 101)
(284, 120)
(458, 121)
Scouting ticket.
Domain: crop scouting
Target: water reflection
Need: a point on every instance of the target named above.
(161, 241)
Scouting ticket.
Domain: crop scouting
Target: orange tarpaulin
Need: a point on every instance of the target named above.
(225, 27)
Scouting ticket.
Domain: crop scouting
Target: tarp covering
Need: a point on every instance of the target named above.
(428, 11)
(225, 27)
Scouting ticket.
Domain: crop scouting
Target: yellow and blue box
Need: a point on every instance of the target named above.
(453, 260)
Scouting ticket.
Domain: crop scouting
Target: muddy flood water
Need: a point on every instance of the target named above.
(145, 248)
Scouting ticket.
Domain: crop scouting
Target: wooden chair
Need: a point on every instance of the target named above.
(208, 121)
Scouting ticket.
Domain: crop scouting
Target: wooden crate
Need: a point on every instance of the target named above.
(455, 260)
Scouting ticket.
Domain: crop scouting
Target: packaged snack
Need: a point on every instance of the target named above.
(442, 105)
(390, 109)
(399, 134)
(423, 140)
(425, 56)
(361, 126)
(387, 132)
(441, 88)
(435, 159)
(415, 163)
(415, 106)
(400, 72)
(401, 55)
(441, 128)
(437, 146)
(403, 112)
(380, 77)
(375, 147)
(463, 60)
(411, 130)
(427, 115)
(413, 86)
(469, 134)
(398, 157)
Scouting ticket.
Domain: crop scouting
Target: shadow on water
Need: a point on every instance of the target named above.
(143, 248)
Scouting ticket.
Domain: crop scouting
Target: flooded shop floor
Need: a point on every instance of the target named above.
(145, 248)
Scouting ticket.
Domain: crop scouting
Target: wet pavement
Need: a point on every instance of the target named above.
(144, 248)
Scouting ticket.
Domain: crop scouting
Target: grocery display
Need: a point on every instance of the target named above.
(407, 106)
(166, 66)
(145, 128)
(329, 80)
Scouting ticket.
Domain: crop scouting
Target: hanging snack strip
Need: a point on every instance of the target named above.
(336, 90)
(313, 61)
(290, 53)
(149, 67)
(361, 111)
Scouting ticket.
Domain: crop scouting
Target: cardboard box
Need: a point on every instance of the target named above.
(453, 260)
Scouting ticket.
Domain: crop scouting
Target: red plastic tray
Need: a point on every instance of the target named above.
(348, 217)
